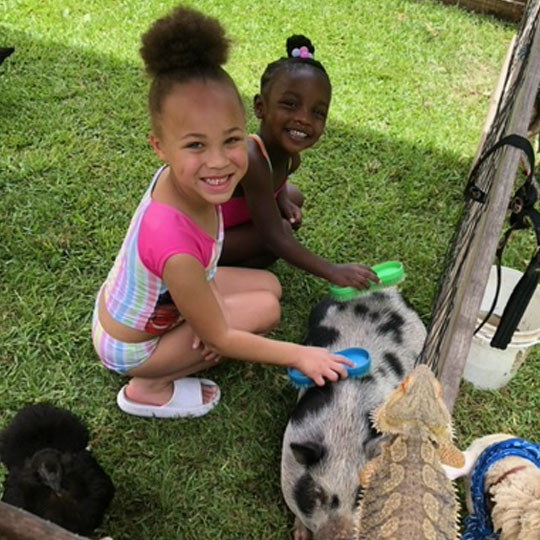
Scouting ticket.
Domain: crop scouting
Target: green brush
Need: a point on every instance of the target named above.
(389, 273)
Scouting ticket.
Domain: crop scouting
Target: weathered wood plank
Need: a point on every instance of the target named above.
(17, 524)
(511, 10)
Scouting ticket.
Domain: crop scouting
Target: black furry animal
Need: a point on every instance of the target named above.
(5, 52)
(50, 472)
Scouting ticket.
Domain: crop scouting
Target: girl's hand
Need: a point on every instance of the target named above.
(318, 364)
(290, 211)
(352, 275)
(208, 354)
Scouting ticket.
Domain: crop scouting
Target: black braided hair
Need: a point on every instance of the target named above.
(182, 46)
(291, 63)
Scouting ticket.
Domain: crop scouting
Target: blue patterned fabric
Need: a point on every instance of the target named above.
(478, 526)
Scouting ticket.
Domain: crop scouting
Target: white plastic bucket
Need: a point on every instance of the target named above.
(489, 368)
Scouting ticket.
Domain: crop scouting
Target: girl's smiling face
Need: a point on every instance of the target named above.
(294, 108)
(202, 137)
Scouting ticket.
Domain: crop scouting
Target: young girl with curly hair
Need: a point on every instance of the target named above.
(166, 310)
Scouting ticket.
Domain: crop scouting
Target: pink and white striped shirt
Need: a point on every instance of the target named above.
(135, 293)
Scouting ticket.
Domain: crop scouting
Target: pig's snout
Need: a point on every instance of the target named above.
(340, 528)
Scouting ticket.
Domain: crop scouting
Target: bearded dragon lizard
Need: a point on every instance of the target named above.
(406, 493)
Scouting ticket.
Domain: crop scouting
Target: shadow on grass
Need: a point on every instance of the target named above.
(74, 164)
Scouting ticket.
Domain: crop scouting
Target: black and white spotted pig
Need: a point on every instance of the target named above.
(329, 434)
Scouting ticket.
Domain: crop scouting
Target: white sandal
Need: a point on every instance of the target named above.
(186, 401)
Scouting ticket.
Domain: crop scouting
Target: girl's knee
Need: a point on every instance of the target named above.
(272, 311)
(275, 287)
(266, 315)
(271, 284)
(295, 195)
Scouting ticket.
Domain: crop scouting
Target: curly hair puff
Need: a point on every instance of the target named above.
(182, 46)
(184, 40)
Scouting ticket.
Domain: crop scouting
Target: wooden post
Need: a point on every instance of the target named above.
(17, 524)
(460, 295)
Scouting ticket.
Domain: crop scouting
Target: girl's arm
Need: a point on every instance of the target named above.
(197, 302)
(279, 239)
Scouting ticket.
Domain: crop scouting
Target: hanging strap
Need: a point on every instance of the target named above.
(523, 213)
(517, 141)
(517, 303)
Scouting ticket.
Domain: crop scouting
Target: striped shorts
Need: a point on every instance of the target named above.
(117, 355)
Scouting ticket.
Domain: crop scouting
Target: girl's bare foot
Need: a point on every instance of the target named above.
(161, 394)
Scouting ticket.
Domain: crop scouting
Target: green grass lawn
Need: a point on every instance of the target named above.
(411, 87)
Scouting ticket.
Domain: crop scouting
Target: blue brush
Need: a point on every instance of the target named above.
(359, 357)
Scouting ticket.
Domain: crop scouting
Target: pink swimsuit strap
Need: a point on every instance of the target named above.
(235, 210)
(262, 149)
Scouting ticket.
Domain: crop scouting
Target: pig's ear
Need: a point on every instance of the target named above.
(372, 448)
(308, 453)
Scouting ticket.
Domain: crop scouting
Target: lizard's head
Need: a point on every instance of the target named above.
(415, 402)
